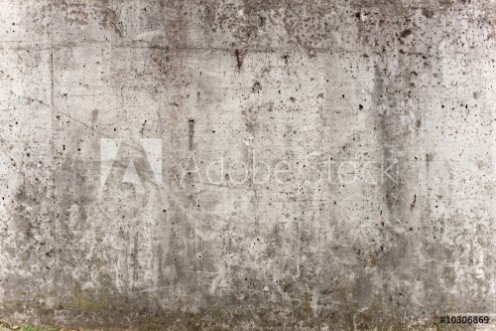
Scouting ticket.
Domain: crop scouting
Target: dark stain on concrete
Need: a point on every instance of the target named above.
(239, 58)
(191, 133)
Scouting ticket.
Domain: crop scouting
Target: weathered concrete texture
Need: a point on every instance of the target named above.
(254, 81)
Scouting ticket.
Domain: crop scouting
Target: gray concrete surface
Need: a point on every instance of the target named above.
(357, 142)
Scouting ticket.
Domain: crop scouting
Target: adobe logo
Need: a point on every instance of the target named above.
(132, 163)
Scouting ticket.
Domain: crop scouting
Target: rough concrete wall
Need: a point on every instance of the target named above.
(382, 111)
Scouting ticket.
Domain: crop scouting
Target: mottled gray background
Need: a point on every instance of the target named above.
(248, 81)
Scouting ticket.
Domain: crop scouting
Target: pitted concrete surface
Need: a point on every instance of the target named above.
(357, 142)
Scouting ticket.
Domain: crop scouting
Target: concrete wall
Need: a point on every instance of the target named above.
(115, 116)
